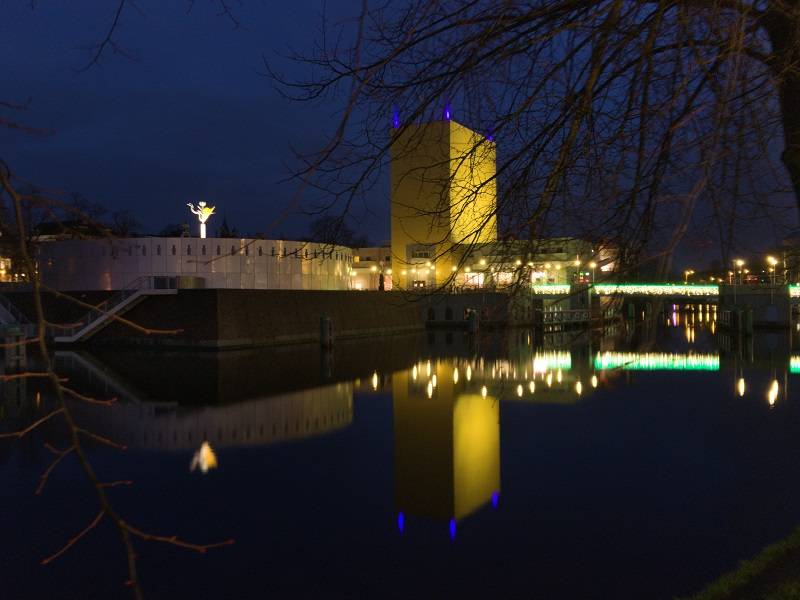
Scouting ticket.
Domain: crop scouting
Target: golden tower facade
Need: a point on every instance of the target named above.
(443, 198)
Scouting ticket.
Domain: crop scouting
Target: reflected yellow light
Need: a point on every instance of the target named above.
(519, 390)
(428, 369)
(454, 269)
(455, 375)
(375, 380)
(549, 379)
(469, 373)
(373, 268)
(559, 377)
(414, 373)
(740, 387)
(483, 261)
(204, 459)
(430, 390)
(434, 380)
(594, 381)
(388, 271)
(484, 391)
(532, 387)
(772, 395)
(578, 388)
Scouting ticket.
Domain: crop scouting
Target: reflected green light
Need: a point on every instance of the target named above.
(656, 289)
(794, 364)
(656, 361)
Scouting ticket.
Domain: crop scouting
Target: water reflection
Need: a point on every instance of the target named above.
(447, 445)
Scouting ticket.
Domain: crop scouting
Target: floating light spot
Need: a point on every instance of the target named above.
(414, 373)
(559, 377)
(549, 379)
(434, 380)
(740, 386)
(532, 387)
(578, 388)
(401, 522)
(594, 381)
(375, 380)
(430, 390)
(483, 391)
(772, 395)
(519, 390)
(428, 369)
(452, 529)
(204, 459)
(455, 375)
(469, 373)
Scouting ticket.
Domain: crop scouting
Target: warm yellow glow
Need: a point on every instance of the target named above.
(375, 380)
(592, 265)
(594, 381)
(434, 380)
(203, 213)
(430, 390)
(204, 458)
(469, 373)
(772, 260)
(549, 379)
(577, 263)
(772, 395)
(519, 390)
(353, 273)
(454, 269)
(519, 263)
(531, 387)
(483, 261)
(740, 387)
(578, 388)
(467, 269)
(484, 391)
(739, 262)
(559, 377)
(373, 268)
(388, 271)
(428, 369)
(414, 373)
(558, 267)
(455, 375)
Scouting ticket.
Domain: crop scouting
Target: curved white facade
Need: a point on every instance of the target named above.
(113, 264)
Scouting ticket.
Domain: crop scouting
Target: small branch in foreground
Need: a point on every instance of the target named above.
(32, 426)
(74, 539)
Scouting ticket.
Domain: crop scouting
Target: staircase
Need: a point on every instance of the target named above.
(11, 316)
(119, 303)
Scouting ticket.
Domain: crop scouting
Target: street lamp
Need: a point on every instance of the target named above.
(740, 263)
(772, 263)
(592, 266)
(686, 274)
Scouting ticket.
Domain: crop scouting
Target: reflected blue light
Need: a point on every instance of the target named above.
(452, 529)
(395, 117)
(495, 499)
(447, 111)
(401, 522)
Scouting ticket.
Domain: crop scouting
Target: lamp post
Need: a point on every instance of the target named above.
(772, 261)
(592, 266)
(740, 263)
(686, 274)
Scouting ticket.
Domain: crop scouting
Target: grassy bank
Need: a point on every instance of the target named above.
(773, 574)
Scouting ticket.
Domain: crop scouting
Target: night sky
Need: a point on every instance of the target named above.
(192, 117)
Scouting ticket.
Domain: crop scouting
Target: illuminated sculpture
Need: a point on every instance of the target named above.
(204, 458)
(203, 213)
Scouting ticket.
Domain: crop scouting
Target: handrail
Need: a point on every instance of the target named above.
(15, 313)
(145, 282)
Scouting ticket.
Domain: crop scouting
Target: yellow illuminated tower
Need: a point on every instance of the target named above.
(443, 197)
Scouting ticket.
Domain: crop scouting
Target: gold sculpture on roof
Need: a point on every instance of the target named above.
(203, 213)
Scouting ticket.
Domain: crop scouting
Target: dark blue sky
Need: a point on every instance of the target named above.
(190, 118)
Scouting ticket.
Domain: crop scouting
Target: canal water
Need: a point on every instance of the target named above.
(641, 463)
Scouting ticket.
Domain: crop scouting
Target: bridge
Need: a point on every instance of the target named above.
(662, 290)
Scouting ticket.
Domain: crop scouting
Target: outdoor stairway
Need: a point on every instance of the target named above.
(11, 316)
(115, 306)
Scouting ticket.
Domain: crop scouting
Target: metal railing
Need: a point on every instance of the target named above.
(113, 302)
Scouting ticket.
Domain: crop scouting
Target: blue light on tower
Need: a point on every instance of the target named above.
(401, 522)
(395, 117)
(453, 529)
(495, 499)
(447, 111)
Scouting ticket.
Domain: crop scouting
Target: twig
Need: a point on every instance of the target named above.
(74, 539)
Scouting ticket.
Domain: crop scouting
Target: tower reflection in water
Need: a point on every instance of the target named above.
(447, 445)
